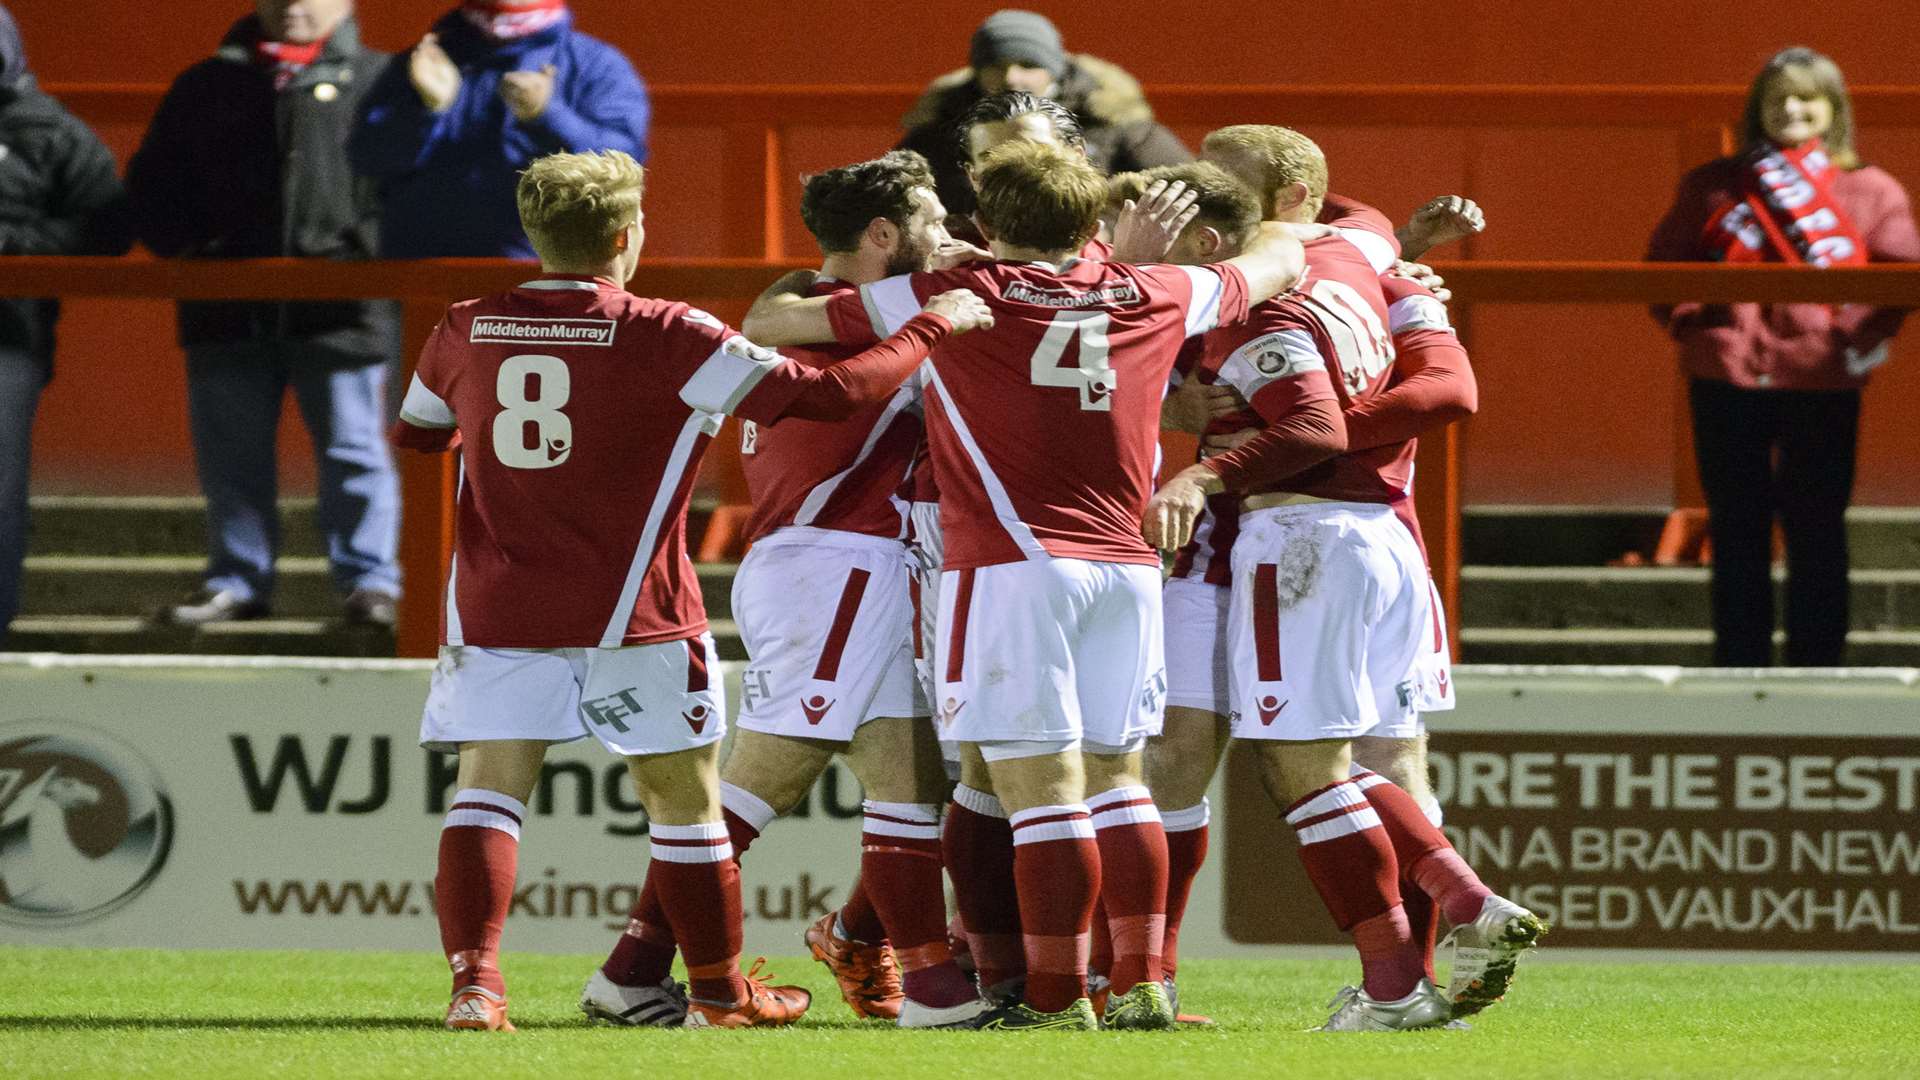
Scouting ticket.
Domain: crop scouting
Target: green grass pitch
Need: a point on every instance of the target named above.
(249, 1014)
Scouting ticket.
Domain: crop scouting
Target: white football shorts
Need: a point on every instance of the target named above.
(1051, 649)
(827, 617)
(1332, 610)
(929, 549)
(636, 699)
(1196, 631)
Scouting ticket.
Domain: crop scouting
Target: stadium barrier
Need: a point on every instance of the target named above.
(276, 803)
(425, 288)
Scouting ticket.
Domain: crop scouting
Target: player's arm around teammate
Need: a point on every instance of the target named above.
(824, 601)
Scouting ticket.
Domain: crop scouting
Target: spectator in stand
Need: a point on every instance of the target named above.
(1776, 387)
(59, 195)
(494, 85)
(247, 158)
(1019, 50)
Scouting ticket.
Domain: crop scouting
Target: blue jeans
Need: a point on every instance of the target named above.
(21, 378)
(234, 391)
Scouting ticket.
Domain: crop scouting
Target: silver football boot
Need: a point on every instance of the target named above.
(1486, 951)
(1353, 1010)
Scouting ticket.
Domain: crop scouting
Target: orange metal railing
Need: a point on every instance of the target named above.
(425, 288)
(760, 124)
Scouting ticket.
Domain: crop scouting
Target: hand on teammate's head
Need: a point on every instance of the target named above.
(1444, 220)
(1426, 276)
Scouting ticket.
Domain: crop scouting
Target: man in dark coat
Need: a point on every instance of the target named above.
(1020, 50)
(247, 158)
(59, 195)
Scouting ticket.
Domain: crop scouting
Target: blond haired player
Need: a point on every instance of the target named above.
(1044, 435)
(1331, 611)
(582, 412)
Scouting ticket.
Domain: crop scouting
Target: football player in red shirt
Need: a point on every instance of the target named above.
(1045, 439)
(824, 601)
(581, 413)
(1431, 386)
(1330, 606)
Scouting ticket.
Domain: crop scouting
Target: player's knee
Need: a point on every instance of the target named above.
(1399, 760)
(1109, 765)
(898, 760)
(1181, 760)
(1294, 770)
(776, 769)
(681, 788)
(508, 766)
(1027, 775)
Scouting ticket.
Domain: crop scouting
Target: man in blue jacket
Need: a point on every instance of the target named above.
(494, 85)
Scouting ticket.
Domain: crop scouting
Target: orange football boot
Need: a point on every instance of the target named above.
(766, 1006)
(476, 1008)
(868, 975)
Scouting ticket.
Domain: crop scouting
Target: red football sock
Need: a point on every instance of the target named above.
(859, 920)
(699, 886)
(1423, 923)
(1056, 864)
(1350, 861)
(644, 954)
(746, 815)
(1133, 882)
(977, 846)
(1099, 936)
(900, 868)
(1423, 852)
(1186, 853)
(479, 854)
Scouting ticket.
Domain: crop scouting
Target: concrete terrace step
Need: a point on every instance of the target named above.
(261, 637)
(1651, 597)
(142, 584)
(148, 525)
(1689, 648)
(177, 525)
(1882, 538)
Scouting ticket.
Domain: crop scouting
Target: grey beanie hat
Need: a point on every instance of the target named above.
(1012, 35)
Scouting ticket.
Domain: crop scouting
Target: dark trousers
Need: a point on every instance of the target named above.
(22, 377)
(1777, 453)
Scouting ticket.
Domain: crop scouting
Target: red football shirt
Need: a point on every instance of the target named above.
(1045, 429)
(582, 413)
(842, 474)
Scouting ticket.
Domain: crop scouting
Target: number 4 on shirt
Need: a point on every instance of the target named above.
(1092, 377)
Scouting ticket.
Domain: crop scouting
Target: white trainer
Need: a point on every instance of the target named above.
(915, 1015)
(663, 1005)
(1486, 951)
(1353, 1010)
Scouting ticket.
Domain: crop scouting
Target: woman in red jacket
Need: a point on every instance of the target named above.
(1776, 387)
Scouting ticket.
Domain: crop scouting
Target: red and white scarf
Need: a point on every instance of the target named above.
(505, 20)
(1787, 212)
(283, 59)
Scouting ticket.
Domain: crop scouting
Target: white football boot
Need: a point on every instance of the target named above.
(915, 1015)
(1353, 1010)
(1486, 951)
(664, 1005)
